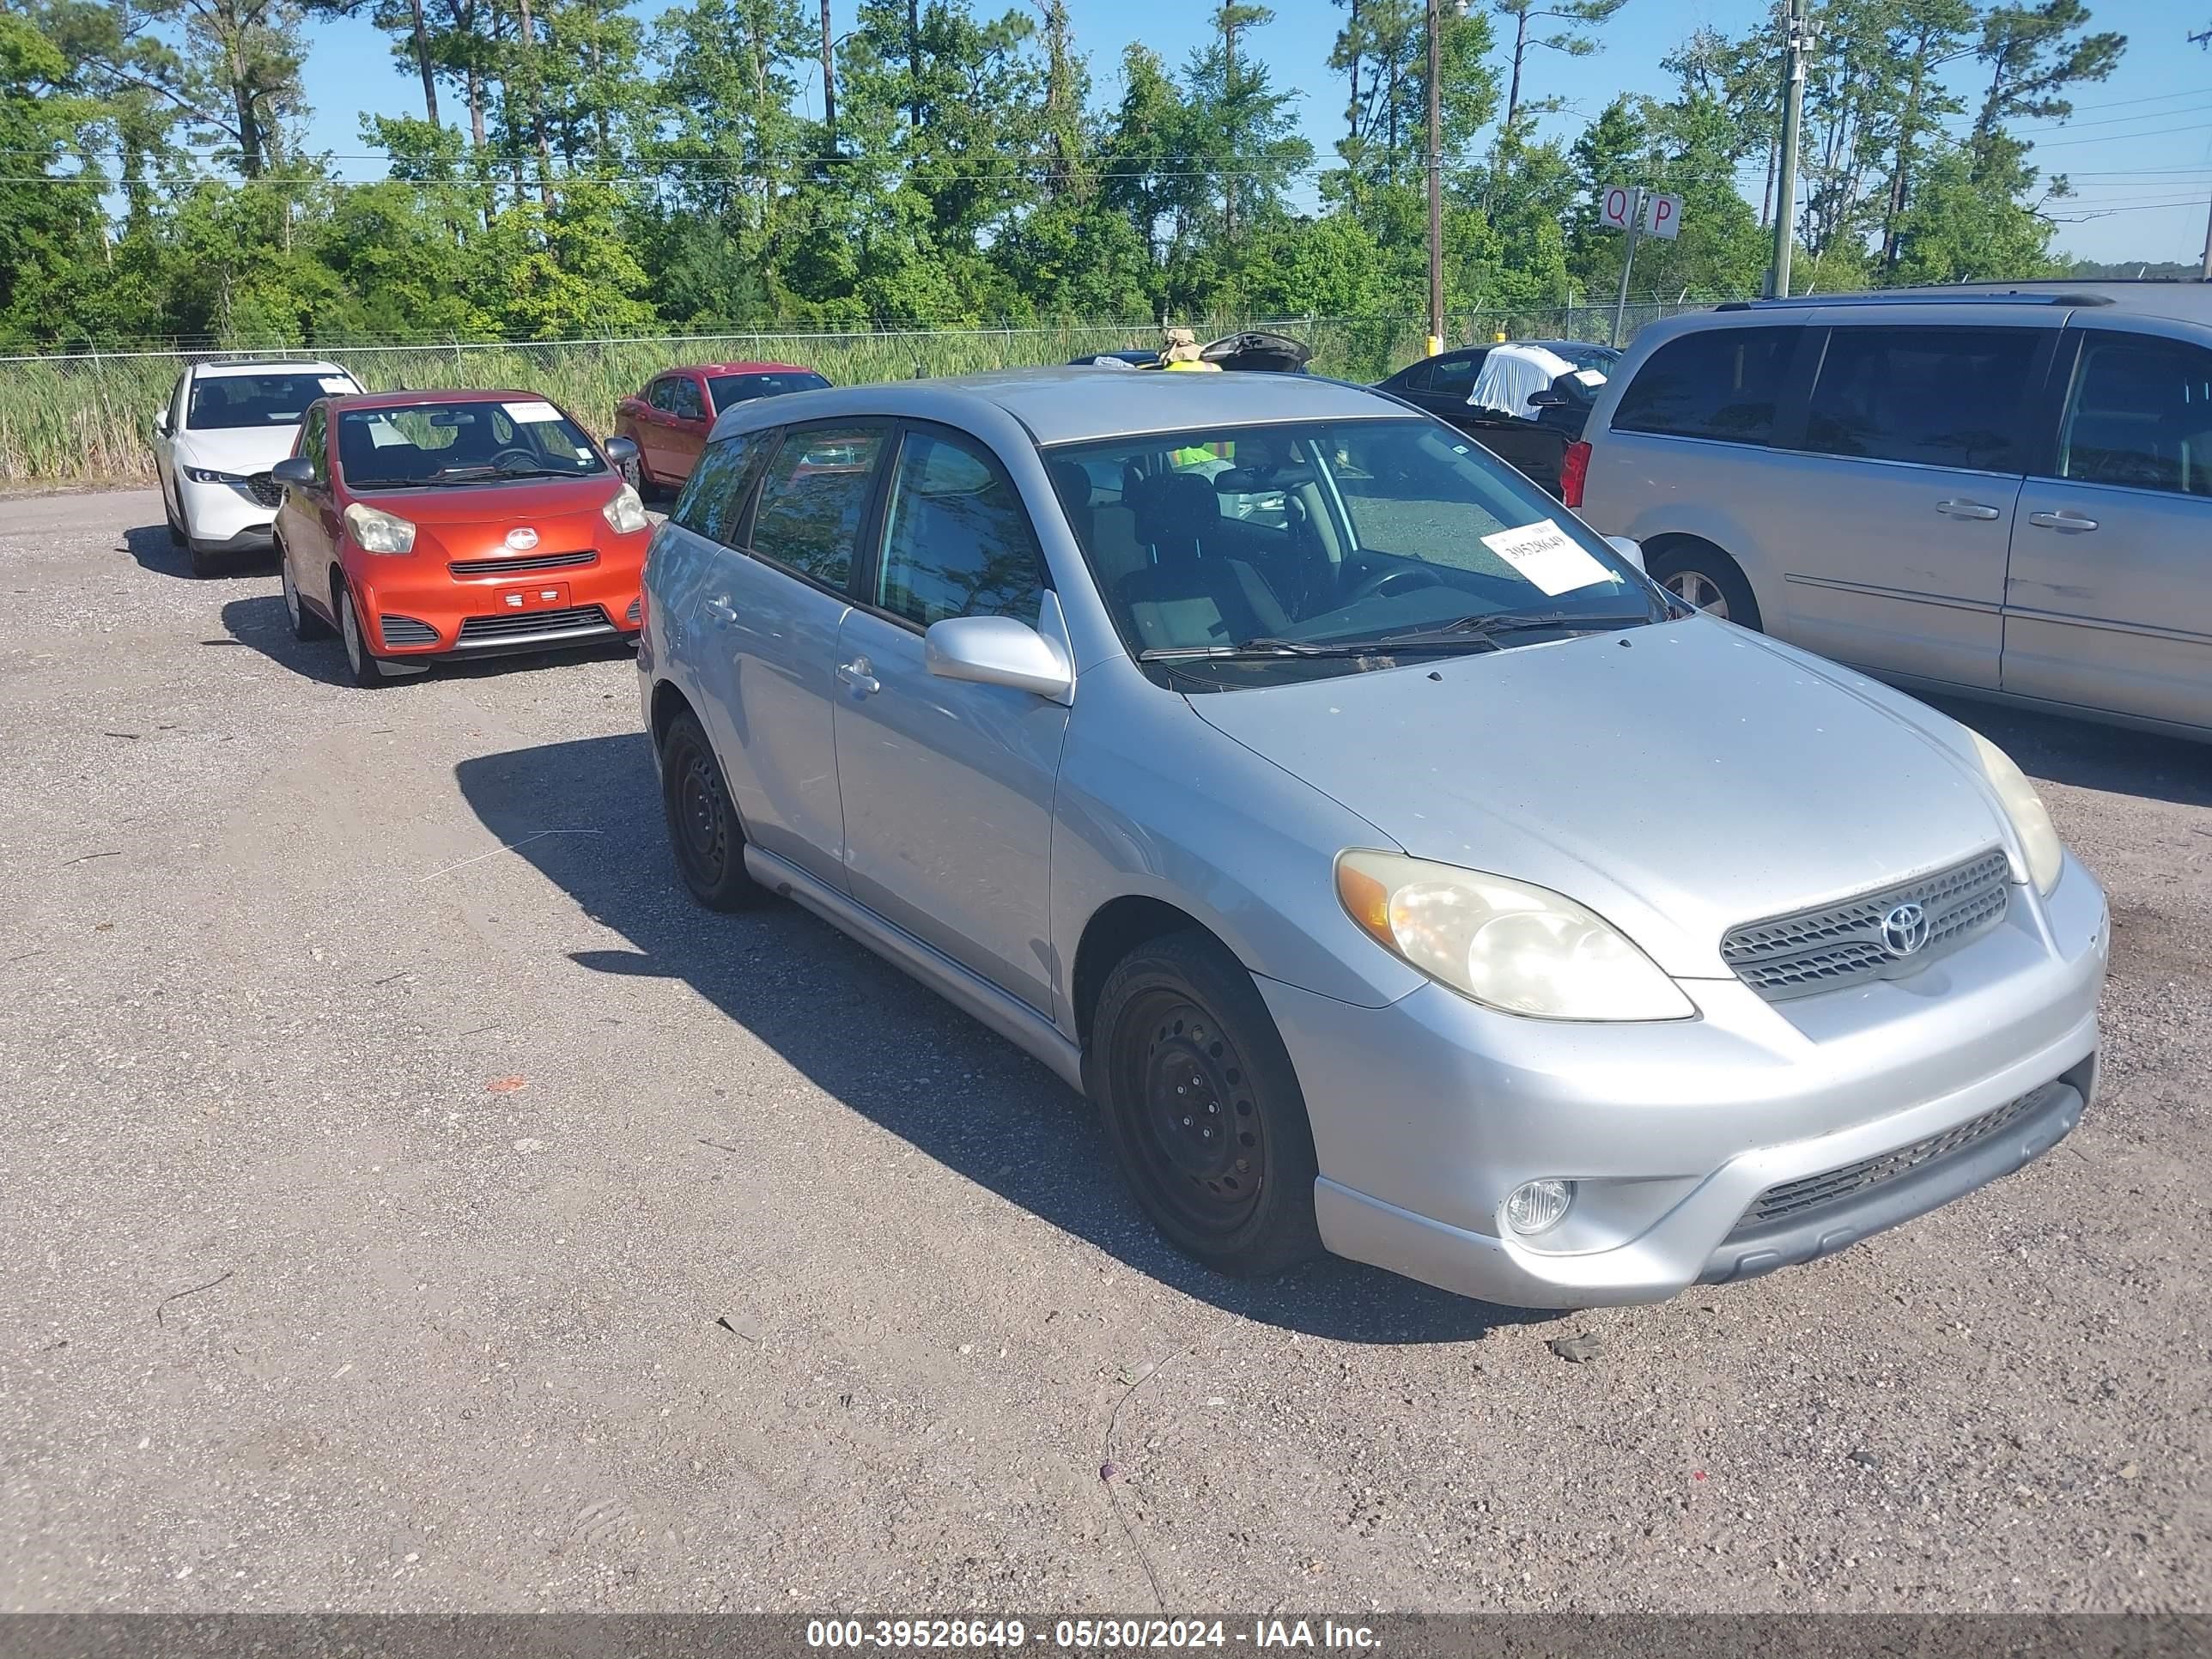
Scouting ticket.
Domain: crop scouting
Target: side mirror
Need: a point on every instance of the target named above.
(998, 651)
(161, 423)
(621, 450)
(1631, 550)
(295, 472)
(1549, 398)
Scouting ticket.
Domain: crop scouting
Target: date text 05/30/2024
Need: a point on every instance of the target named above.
(1088, 1635)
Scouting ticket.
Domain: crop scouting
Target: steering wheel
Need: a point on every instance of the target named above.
(527, 456)
(1384, 583)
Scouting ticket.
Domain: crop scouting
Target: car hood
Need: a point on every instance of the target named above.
(1677, 779)
(243, 449)
(525, 501)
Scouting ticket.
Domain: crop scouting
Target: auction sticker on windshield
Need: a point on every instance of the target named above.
(530, 414)
(1547, 557)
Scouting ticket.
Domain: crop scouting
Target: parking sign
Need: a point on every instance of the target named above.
(1663, 215)
(1616, 210)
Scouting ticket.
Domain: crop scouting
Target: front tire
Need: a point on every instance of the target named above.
(703, 829)
(361, 665)
(1202, 1108)
(177, 537)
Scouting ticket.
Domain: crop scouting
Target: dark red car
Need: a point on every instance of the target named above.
(668, 420)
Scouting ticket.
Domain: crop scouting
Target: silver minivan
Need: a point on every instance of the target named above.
(1397, 868)
(2000, 492)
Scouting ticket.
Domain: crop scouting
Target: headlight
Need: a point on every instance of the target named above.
(2039, 838)
(625, 512)
(208, 475)
(379, 532)
(1508, 945)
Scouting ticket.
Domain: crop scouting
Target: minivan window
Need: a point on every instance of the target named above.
(1716, 383)
(1938, 397)
(813, 498)
(955, 540)
(1340, 536)
(715, 496)
(2139, 415)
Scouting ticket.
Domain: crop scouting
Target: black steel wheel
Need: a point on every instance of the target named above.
(1202, 1109)
(703, 829)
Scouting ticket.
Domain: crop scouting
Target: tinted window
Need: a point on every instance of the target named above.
(1454, 377)
(729, 389)
(2140, 415)
(230, 401)
(813, 498)
(1717, 383)
(714, 497)
(459, 443)
(660, 393)
(956, 541)
(1416, 378)
(1941, 397)
(683, 400)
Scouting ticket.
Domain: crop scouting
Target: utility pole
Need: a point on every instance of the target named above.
(1436, 191)
(1793, 110)
(2207, 242)
(829, 82)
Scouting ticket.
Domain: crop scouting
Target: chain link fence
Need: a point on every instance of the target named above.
(86, 417)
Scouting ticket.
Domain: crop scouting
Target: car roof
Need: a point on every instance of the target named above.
(737, 368)
(437, 395)
(269, 366)
(2187, 300)
(1073, 403)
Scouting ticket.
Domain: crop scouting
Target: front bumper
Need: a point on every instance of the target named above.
(223, 518)
(419, 608)
(1426, 1114)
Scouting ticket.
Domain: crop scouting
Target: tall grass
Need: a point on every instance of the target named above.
(89, 419)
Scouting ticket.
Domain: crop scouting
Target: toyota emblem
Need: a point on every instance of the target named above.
(521, 540)
(1905, 930)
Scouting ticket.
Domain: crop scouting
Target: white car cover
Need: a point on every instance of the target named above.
(1511, 374)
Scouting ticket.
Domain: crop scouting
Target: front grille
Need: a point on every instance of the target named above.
(407, 630)
(1841, 945)
(518, 623)
(1793, 1199)
(265, 491)
(521, 564)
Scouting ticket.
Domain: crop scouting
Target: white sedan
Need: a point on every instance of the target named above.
(224, 425)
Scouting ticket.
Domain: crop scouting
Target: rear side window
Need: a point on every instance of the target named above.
(1939, 396)
(1716, 383)
(714, 497)
(2139, 415)
(661, 395)
(813, 498)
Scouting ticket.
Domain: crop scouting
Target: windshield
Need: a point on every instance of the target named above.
(1394, 537)
(226, 402)
(729, 389)
(461, 443)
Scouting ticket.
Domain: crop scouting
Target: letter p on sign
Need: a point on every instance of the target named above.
(1663, 215)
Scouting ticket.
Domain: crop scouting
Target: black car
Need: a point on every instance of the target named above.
(1441, 384)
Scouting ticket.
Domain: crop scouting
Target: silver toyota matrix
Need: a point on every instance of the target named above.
(1398, 870)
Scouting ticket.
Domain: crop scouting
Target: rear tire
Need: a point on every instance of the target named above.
(305, 624)
(704, 831)
(1701, 574)
(1202, 1108)
(362, 666)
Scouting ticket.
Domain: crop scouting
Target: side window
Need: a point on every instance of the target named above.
(177, 401)
(660, 393)
(1454, 377)
(2139, 415)
(715, 496)
(1716, 383)
(1940, 396)
(813, 498)
(314, 444)
(684, 399)
(1417, 377)
(956, 541)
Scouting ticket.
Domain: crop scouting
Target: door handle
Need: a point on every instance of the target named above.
(2060, 521)
(1966, 510)
(721, 611)
(855, 674)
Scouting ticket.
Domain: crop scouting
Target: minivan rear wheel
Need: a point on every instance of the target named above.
(1202, 1109)
(1702, 574)
(703, 829)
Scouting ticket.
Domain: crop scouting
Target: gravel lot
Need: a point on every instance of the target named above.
(410, 1202)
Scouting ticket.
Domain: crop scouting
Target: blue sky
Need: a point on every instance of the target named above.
(2138, 149)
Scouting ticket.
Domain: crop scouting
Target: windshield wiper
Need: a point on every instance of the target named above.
(1493, 623)
(1250, 650)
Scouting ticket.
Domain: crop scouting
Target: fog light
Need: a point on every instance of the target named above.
(1538, 1206)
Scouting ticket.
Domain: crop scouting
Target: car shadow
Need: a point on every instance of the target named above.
(889, 1050)
(2116, 759)
(149, 545)
(262, 623)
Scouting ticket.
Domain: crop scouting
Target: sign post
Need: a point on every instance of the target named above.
(1630, 205)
